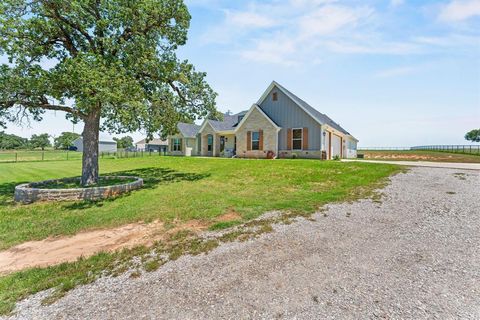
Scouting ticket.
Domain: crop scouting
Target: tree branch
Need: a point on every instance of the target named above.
(177, 90)
(71, 24)
(42, 105)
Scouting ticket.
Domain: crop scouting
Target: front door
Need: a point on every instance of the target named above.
(209, 145)
(222, 143)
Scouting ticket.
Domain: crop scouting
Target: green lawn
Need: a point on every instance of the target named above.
(419, 155)
(178, 188)
(175, 189)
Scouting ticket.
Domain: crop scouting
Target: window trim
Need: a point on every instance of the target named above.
(296, 139)
(252, 140)
(209, 145)
(177, 144)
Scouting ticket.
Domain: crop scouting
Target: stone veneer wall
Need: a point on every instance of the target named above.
(255, 122)
(304, 154)
(32, 192)
(204, 145)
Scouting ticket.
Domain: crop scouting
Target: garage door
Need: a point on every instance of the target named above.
(336, 146)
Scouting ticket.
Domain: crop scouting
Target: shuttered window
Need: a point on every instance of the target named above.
(255, 140)
(297, 137)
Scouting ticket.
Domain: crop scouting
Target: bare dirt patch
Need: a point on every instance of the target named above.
(52, 251)
(230, 215)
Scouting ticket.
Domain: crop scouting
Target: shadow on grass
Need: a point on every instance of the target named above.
(6, 192)
(152, 177)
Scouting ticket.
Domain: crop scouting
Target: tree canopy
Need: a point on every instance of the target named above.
(473, 135)
(11, 141)
(111, 64)
(65, 140)
(124, 142)
(40, 141)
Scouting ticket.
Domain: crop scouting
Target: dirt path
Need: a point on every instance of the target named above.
(56, 250)
(415, 255)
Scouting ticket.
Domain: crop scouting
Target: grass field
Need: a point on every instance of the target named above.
(176, 189)
(419, 155)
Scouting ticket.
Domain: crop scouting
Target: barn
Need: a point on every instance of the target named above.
(104, 145)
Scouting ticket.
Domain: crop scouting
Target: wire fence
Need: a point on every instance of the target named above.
(34, 155)
(64, 155)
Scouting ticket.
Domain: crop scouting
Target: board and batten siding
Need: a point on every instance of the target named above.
(287, 114)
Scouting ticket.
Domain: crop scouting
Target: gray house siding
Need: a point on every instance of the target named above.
(286, 114)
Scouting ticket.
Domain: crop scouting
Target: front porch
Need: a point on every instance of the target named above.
(218, 144)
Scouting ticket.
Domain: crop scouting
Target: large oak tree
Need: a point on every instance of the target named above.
(112, 65)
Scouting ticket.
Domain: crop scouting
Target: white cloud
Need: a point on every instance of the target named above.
(278, 50)
(396, 3)
(331, 18)
(248, 20)
(395, 72)
(296, 32)
(459, 10)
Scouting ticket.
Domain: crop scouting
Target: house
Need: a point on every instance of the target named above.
(154, 145)
(104, 145)
(185, 143)
(280, 125)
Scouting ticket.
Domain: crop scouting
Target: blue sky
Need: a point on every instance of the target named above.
(393, 73)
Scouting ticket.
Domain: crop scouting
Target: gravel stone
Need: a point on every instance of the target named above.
(414, 255)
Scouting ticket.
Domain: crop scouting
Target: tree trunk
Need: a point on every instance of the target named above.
(90, 149)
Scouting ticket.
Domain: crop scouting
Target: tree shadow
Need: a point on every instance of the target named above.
(7, 191)
(152, 177)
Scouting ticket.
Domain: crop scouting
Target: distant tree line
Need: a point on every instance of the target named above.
(41, 141)
(36, 141)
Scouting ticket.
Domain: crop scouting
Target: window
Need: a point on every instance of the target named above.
(255, 140)
(177, 144)
(297, 139)
(275, 96)
(209, 142)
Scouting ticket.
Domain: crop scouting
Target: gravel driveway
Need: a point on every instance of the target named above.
(414, 255)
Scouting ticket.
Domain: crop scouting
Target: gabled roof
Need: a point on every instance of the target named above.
(247, 114)
(321, 118)
(228, 123)
(153, 142)
(188, 130)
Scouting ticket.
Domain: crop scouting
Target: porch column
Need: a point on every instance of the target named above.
(214, 147)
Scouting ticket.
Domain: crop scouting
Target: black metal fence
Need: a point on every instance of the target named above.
(131, 154)
(467, 149)
(383, 148)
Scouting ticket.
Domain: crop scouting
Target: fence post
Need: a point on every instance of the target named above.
(16, 156)
(43, 155)
(67, 155)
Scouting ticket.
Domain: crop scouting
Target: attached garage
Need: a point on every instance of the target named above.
(336, 146)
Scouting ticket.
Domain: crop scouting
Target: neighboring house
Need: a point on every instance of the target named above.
(184, 143)
(281, 125)
(154, 145)
(103, 145)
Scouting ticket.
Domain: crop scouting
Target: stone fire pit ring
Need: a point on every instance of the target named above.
(33, 191)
